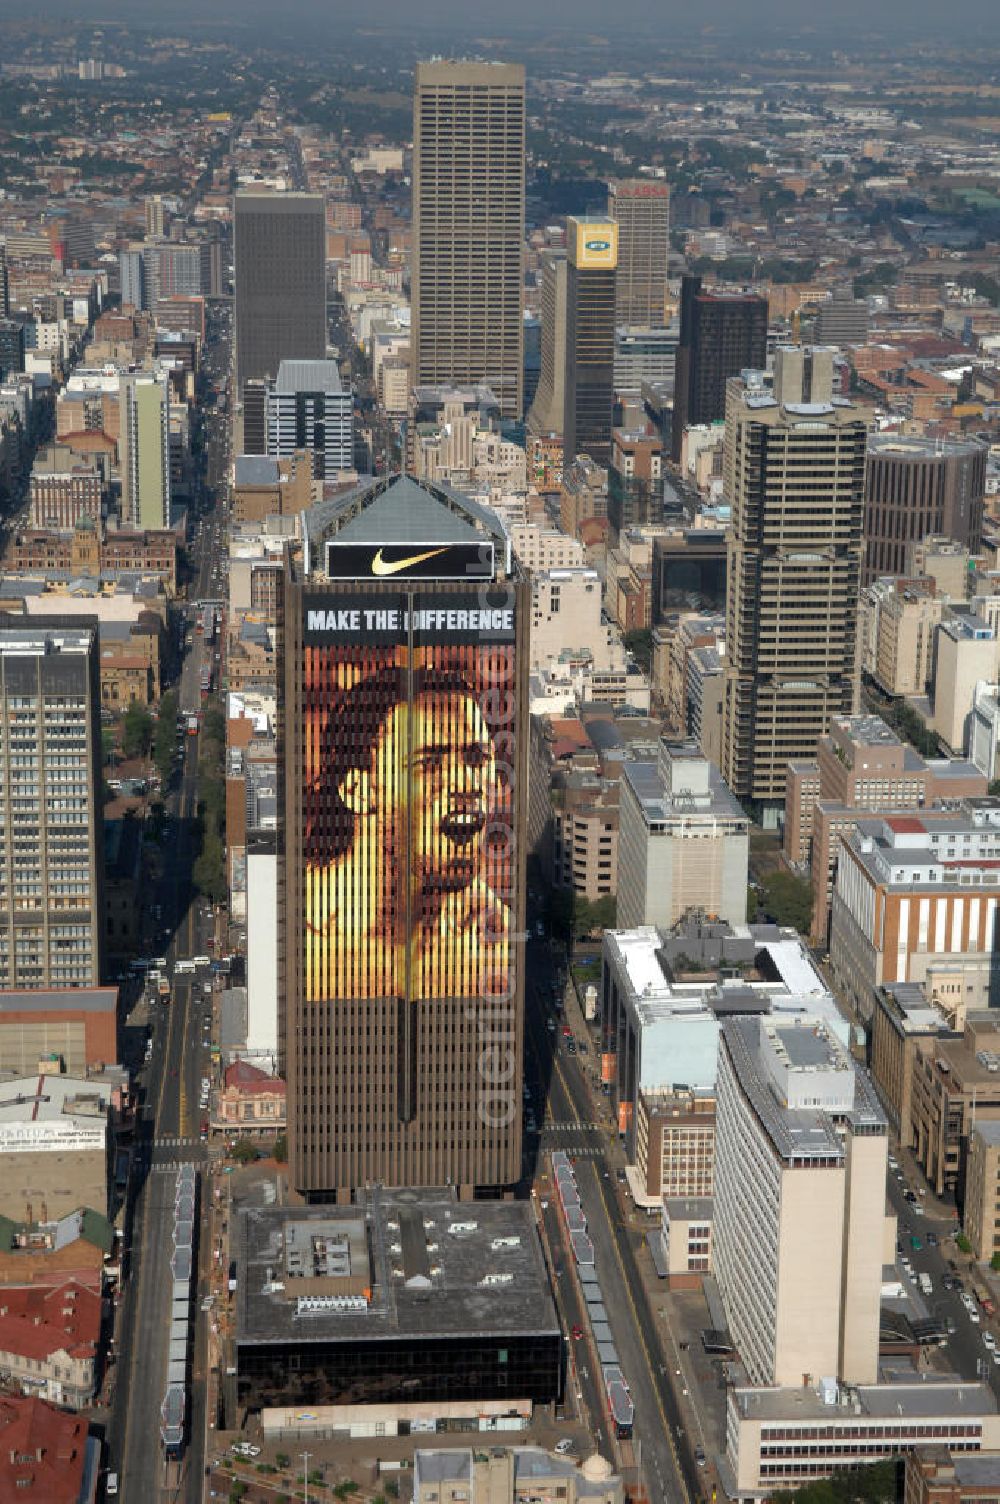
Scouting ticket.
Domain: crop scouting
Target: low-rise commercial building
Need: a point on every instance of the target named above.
(686, 1240)
(45, 1454)
(784, 1438)
(861, 765)
(662, 998)
(54, 1144)
(78, 1026)
(912, 888)
(966, 653)
(981, 1206)
(251, 1101)
(49, 1337)
(956, 1084)
(684, 841)
(512, 1475)
(409, 1297)
(902, 1018)
(937, 1474)
(674, 1145)
(265, 486)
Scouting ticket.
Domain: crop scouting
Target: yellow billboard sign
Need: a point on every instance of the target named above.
(594, 243)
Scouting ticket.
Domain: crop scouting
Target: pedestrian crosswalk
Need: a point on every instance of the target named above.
(174, 1142)
(572, 1127)
(586, 1151)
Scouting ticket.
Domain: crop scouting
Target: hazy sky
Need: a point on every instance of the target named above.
(848, 18)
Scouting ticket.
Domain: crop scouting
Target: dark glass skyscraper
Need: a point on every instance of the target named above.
(722, 334)
(280, 274)
(915, 487)
(588, 391)
(403, 687)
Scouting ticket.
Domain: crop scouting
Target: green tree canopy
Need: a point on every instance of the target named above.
(137, 730)
(789, 900)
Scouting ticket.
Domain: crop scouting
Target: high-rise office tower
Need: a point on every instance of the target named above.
(51, 822)
(11, 347)
(468, 228)
(132, 277)
(722, 334)
(844, 320)
(144, 444)
(156, 216)
(799, 1217)
(915, 487)
(546, 412)
(280, 276)
(635, 481)
(4, 284)
(255, 417)
(641, 209)
(793, 467)
(532, 357)
(211, 266)
(307, 408)
(588, 383)
(402, 732)
(170, 270)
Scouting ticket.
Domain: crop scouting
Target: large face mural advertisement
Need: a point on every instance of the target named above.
(408, 749)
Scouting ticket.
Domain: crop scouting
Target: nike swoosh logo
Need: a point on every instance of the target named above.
(382, 566)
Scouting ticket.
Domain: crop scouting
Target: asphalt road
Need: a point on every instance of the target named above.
(168, 1130)
(669, 1472)
(965, 1350)
(171, 1091)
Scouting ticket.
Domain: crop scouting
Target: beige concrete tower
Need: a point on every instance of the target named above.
(794, 466)
(800, 1215)
(468, 227)
(641, 207)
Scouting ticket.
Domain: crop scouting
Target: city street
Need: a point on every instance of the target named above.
(965, 1351)
(668, 1473)
(168, 1128)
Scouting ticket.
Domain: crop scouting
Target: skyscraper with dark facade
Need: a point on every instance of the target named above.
(280, 281)
(722, 334)
(402, 641)
(11, 347)
(915, 487)
(468, 228)
(588, 387)
(546, 412)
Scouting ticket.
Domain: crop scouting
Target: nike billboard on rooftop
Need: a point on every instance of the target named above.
(412, 561)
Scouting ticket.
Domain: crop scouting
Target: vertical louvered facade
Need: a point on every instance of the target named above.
(402, 851)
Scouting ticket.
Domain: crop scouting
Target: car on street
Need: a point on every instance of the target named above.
(565, 1446)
